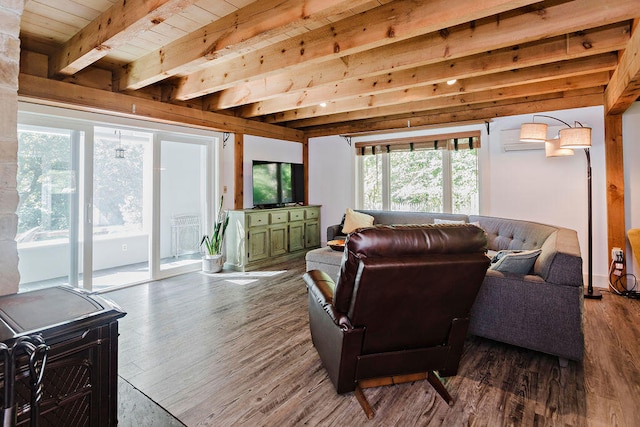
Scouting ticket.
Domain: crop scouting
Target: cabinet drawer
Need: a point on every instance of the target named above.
(279, 217)
(258, 218)
(296, 215)
(312, 213)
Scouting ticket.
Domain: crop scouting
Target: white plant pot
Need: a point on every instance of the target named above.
(212, 263)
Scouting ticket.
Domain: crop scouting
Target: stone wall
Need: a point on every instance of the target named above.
(10, 14)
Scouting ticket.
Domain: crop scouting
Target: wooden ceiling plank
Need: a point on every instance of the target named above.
(183, 22)
(219, 8)
(115, 27)
(624, 86)
(77, 8)
(199, 15)
(232, 34)
(359, 109)
(61, 15)
(54, 30)
(52, 92)
(322, 82)
(422, 81)
(461, 114)
(390, 23)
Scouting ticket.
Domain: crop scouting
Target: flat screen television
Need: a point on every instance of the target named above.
(277, 183)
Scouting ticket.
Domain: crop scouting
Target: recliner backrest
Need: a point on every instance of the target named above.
(405, 284)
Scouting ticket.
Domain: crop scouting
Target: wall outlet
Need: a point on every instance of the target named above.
(124, 248)
(617, 255)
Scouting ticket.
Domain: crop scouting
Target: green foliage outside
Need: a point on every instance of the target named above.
(417, 181)
(118, 185)
(46, 185)
(372, 181)
(464, 177)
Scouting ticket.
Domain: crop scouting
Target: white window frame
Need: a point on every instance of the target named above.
(447, 202)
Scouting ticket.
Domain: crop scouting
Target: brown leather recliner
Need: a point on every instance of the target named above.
(401, 305)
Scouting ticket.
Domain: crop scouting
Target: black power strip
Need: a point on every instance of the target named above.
(630, 294)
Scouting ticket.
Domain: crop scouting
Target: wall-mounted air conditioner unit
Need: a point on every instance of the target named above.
(510, 139)
(523, 146)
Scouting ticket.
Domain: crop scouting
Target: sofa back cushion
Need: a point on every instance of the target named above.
(400, 217)
(513, 234)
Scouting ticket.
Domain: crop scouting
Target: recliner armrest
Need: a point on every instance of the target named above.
(321, 286)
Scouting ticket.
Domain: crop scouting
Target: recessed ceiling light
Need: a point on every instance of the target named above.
(452, 81)
(323, 104)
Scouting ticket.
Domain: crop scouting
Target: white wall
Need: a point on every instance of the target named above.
(331, 179)
(255, 148)
(527, 185)
(523, 184)
(631, 147)
(331, 172)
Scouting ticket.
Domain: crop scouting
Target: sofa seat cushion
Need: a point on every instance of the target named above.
(325, 259)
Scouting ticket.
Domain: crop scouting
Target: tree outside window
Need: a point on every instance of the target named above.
(426, 177)
(46, 184)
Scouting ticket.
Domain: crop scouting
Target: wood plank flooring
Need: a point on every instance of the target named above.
(221, 351)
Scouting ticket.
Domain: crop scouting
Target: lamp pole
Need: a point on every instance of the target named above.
(590, 292)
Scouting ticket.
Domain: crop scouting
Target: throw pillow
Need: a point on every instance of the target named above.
(447, 221)
(517, 262)
(354, 220)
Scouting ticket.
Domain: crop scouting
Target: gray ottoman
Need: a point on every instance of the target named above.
(324, 259)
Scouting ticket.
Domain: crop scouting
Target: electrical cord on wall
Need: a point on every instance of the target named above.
(622, 282)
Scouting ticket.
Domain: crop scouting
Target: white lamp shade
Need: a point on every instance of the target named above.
(533, 132)
(552, 149)
(575, 137)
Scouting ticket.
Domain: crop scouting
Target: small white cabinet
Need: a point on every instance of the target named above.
(257, 237)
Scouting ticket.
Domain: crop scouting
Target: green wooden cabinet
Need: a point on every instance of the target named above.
(257, 237)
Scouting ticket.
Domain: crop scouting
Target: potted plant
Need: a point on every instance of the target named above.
(212, 261)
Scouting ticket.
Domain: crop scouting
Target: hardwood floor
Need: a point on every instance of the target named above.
(220, 351)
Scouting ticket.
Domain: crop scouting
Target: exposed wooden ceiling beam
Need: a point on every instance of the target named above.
(283, 109)
(372, 61)
(117, 26)
(624, 86)
(321, 82)
(396, 21)
(358, 109)
(52, 92)
(558, 101)
(495, 33)
(230, 36)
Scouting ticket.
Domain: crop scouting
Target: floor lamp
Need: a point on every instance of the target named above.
(563, 145)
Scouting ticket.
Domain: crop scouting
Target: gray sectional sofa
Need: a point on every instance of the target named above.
(540, 311)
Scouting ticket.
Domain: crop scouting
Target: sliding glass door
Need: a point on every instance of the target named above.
(49, 225)
(105, 205)
(184, 190)
(122, 168)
